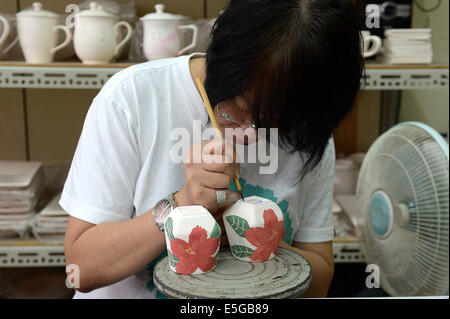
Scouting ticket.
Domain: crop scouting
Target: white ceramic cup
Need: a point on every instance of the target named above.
(38, 35)
(5, 32)
(94, 45)
(162, 35)
(371, 44)
(97, 35)
(160, 43)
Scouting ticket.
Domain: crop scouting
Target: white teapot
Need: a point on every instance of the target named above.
(97, 35)
(162, 34)
(37, 34)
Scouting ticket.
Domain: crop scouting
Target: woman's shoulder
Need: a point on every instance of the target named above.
(142, 74)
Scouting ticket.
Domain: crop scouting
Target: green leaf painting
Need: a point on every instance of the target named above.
(240, 225)
(241, 251)
(216, 233)
(173, 260)
(169, 228)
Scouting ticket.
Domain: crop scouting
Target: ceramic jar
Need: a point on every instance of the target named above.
(37, 30)
(254, 229)
(97, 35)
(162, 33)
(192, 239)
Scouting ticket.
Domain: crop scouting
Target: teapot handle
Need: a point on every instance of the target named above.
(6, 30)
(10, 46)
(194, 37)
(127, 37)
(66, 41)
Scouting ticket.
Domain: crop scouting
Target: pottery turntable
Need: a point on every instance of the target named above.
(252, 267)
(285, 276)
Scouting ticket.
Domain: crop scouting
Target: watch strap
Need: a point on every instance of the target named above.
(171, 199)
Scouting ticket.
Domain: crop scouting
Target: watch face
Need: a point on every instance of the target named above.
(161, 211)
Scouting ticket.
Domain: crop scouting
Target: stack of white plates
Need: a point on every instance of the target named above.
(21, 184)
(49, 226)
(407, 46)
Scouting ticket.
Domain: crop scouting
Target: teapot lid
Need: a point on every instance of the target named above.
(36, 11)
(161, 15)
(95, 10)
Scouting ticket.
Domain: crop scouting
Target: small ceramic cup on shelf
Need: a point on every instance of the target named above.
(98, 35)
(37, 30)
(163, 34)
(192, 240)
(254, 229)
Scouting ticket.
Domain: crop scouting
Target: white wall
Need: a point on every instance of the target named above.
(430, 106)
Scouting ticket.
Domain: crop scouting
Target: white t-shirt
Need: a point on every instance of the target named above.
(121, 167)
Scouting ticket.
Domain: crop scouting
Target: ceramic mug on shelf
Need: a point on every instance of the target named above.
(162, 34)
(5, 32)
(371, 44)
(192, 240)
(254, 229)
(37, 30)
(97, 35)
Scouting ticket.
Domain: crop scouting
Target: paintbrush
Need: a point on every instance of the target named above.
(205, 98)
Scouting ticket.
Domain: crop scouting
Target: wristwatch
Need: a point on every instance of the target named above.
(162, 209)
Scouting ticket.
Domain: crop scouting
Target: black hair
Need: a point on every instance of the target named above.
(298, 63)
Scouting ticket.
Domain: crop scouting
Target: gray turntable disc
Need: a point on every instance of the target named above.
(287, 275)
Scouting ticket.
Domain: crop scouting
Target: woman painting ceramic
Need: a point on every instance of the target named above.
(292, 65)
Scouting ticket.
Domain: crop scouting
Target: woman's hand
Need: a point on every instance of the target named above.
(210, 168)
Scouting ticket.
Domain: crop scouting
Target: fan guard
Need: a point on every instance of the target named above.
(403, 210)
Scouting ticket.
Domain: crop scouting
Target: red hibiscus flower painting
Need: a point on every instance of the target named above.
(197, 253)
(267, 238)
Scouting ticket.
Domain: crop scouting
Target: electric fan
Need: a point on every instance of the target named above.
(403, 208)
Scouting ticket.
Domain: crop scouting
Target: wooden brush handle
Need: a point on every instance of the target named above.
(205, 98)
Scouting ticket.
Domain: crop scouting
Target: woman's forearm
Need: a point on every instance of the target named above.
(110, 252)
(322, 272)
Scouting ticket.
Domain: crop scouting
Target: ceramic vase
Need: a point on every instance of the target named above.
(254, 228)
(192, 240)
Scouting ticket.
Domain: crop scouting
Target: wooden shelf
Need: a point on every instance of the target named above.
(375, 66)
(30, 253)
(75, 75)
(32, 242)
